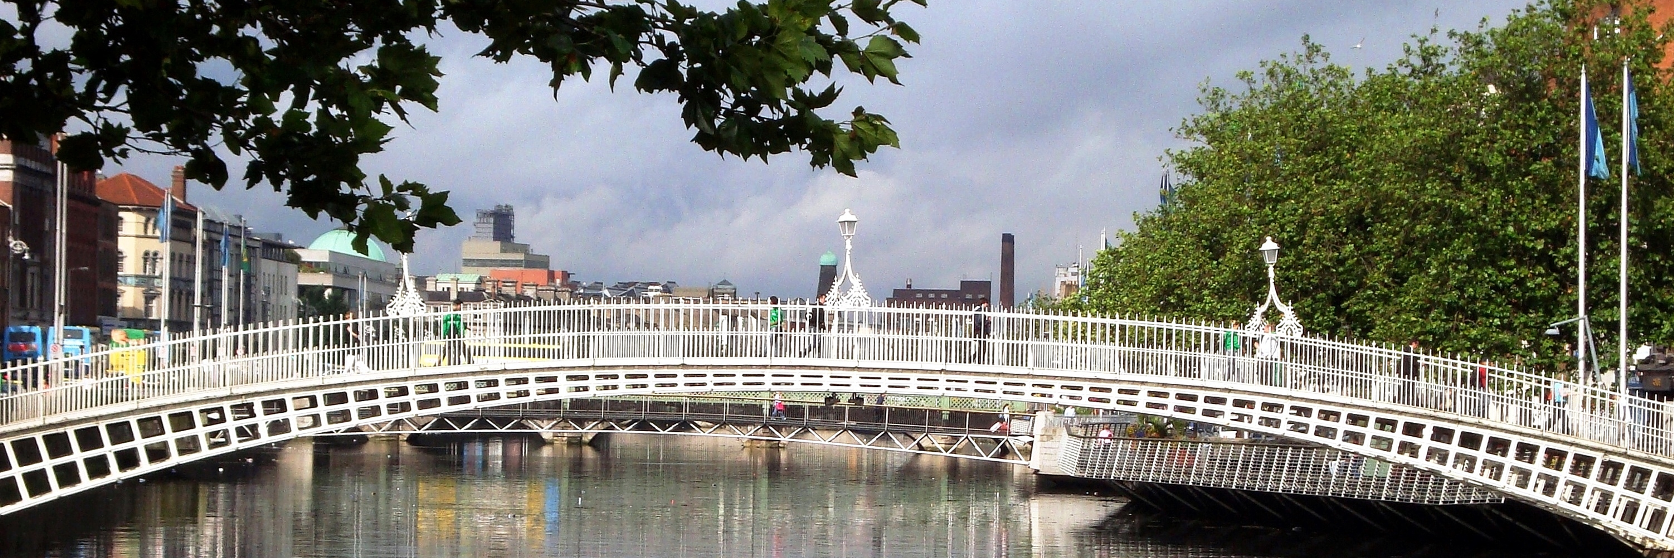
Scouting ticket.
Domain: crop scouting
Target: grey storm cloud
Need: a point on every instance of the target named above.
(1044, 119)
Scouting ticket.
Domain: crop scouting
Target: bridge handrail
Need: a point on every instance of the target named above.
(1033, 341)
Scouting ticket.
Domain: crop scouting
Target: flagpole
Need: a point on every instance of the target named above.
(1622, 294)
(1581, 242)
(243, 260)
(226, 259)
(197, 276)
(167, 236)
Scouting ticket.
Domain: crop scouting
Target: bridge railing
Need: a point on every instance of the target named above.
(1262, 466)
(744, 333)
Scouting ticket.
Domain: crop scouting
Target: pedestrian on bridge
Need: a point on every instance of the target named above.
(454, 350)
(816, 327)
(353, 358)
(775, 326)
(1409, 374)
(981, 325)
(778, 412)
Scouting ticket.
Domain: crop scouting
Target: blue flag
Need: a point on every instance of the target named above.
(165, 218)
(1597, 167)
(226, 246)
(1633, 125)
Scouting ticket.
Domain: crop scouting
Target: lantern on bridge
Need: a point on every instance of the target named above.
(1288, 324)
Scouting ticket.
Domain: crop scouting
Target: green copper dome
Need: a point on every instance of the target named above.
(828, 259)
(343, 242)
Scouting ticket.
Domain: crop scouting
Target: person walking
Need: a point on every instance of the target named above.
(981, 325)
(1232, 343)
(1559, 396)
(355, 359)
(778, 412)
(1409, 374)
(816, 328)
(775, 323)
(454, 350)
(1003, 425)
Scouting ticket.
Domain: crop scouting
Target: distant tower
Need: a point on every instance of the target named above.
(496, 224)
(1008, 270)
(828, 274)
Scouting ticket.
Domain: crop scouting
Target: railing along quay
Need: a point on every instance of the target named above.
(582, 334)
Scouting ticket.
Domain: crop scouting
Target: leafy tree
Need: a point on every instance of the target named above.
(317, 301)
(305, 88)
(1432, 200)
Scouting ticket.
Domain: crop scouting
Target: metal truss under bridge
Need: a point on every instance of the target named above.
(69, 425)
(961, 434)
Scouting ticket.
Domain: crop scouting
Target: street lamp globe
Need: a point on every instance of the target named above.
(1270, 251)
(846, 224)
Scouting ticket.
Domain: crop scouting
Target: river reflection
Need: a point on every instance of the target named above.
(639, 496)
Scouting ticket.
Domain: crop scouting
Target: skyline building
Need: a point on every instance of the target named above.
(493, 247)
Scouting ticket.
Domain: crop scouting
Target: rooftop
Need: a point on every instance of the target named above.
(127, 189)
(341, 241)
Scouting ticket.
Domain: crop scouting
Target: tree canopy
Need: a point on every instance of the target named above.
(1432, 200)
(303, 89)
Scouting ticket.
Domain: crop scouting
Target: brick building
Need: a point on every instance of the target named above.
(969, 293)
(28, 187)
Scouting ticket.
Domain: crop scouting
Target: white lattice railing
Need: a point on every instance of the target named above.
(1263, 467)
(724, 333)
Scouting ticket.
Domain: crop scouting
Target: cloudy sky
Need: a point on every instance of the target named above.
(1044, 119)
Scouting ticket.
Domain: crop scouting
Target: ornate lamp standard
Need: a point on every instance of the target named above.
(855, 296)
(1288, 324)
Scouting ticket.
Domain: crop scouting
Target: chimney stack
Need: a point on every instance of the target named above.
(179, 187)
(1008, 270)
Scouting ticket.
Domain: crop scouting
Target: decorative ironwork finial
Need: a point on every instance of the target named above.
(406, 301)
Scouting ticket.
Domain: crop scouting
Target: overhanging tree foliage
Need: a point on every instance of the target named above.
(305, 88)
(1432, 200)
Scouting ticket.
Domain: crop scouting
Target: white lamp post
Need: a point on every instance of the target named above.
(1288, 324)
(855, 296)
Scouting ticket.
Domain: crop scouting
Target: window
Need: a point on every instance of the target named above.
(121, 261)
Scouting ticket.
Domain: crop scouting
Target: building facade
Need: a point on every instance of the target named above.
(969, 293)
(275, 269)
(493, 245)
(331, 267)
(143, 263)
(1066, 281)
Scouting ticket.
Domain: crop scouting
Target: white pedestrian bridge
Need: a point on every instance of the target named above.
(76, 424)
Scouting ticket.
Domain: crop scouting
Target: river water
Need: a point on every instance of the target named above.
(638, 496)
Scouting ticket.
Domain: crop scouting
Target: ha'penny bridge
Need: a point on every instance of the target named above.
(1341, 421)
